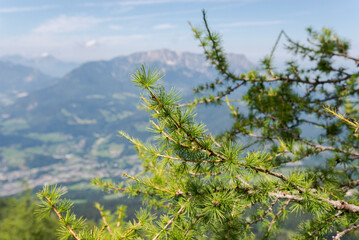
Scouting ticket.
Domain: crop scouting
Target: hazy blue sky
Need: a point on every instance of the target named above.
(88, 30)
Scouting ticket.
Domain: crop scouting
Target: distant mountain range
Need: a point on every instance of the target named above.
(46, 63)
(187, 60)
(16, 81)
(17, 78)
(65, 130)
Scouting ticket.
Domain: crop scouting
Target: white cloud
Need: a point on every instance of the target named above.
(144, 2)
(120, 39)
(163, 26)
(115, 27)
(26, 9)
(65, 24)
(90, 43)
(250, 23)
(126, 3)
(150, 2)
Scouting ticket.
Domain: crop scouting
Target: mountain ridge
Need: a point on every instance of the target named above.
(17, 81)
(48, 64)
(71, 125)
(193, 61)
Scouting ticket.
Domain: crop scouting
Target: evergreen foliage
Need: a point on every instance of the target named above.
(18, 222)
(239, 185)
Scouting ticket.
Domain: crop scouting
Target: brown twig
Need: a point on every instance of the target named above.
(277, 215)
(170, 221)
(342, 233)
(62, 219)
(130, 230)
(270, 209)
(339, 213)
(104, 219)
(101, 232)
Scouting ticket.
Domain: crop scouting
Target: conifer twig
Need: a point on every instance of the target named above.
(193, 139)
(118, 224)
(337, 215)
(62, 219)
(352, 123)
(278, 214)
(101, 232)
(342, 233)
(340, 205)
(270, 209)
(193, 224)
(131, 230)
(187, 160)
(148, 184)
(104, 218)
(170, 221)
(109, 186)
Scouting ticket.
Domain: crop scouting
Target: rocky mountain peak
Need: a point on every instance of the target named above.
(192, 61)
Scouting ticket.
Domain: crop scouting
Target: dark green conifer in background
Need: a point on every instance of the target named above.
(18, 222)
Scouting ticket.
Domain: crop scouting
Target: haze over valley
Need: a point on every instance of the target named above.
(64, 129)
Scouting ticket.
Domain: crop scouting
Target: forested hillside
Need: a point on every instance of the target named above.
(70, 126)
